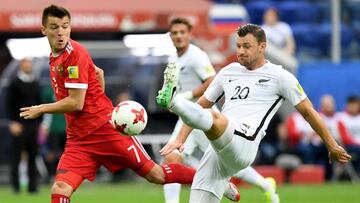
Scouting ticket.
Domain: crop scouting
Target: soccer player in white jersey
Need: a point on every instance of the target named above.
(254, 89)
(196, 73)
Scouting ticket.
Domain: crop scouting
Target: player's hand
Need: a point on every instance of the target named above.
(338, 154)
(30, 112)
(171, 146)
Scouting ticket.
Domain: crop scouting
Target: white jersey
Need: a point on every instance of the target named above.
(253, 96)
(277, 34)
(195, 68)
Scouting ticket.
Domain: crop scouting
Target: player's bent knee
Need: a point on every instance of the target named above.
(217, 117)
(156, 175)
(60, 187)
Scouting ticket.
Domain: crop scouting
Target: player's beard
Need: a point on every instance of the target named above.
(247, 62)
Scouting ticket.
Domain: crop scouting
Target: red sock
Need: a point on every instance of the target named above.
(178, 173)
(57, 198)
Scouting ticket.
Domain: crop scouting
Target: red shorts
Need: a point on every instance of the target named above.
(104, 147)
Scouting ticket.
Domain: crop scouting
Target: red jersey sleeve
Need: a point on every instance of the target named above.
(345, 136)
(77, 70)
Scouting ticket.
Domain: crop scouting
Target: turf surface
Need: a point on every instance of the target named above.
(143, 192)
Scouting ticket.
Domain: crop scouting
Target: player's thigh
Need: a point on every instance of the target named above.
(124, 152)
(76, 164)
(238, 154)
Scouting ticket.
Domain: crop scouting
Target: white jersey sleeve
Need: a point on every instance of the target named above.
(202, 66)
(215, 90)
(290, 88)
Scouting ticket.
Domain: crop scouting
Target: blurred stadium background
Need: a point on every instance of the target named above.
(128, 40)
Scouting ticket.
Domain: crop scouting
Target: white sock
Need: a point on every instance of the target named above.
(192, 113)
(251, 176)
(202, 196)
(172, 192)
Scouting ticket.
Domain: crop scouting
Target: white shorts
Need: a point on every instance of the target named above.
(196, 140)
(221, 162)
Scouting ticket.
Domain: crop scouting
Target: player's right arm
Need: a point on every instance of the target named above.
(74, 102)
(294, 93)
(336, 152)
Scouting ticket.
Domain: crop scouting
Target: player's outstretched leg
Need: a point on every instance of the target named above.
(170, 173)
(172, 190)
(171, 77)
(191, 113)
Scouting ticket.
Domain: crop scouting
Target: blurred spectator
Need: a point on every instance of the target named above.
(278, 33)
(300, 137)
(53, 134)
(273, 143)
(23, 91)
(303, 140)
(122, 96)
(329, 115)
(349, 129)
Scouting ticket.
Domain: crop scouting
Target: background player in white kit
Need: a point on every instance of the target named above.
(254, 89)
(196, 73)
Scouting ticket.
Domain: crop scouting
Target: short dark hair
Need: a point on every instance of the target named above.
(352, 99)
(180, 20)
(55, 11)
(253, 29)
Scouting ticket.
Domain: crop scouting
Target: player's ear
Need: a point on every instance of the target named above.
(263, 46)
(43, 30)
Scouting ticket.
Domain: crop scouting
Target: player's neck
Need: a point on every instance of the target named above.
(181, 51)
(258, 64)
(57, 53)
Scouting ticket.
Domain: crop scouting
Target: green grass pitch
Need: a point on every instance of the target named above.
(143, 192)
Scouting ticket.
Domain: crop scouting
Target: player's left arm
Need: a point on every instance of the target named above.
(100, 76)
(74, 102)
(336, 152)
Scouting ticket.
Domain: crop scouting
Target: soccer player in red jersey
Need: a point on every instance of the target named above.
(91, 139)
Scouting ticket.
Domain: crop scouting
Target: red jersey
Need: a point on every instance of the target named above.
(74, 68)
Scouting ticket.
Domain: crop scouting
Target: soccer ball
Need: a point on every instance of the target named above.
(129, 118)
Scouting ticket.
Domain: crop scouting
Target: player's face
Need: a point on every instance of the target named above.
(180, 35)
(57, 30)
(248, 52)
(271, 17)
(353, 107)
(26, 66)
